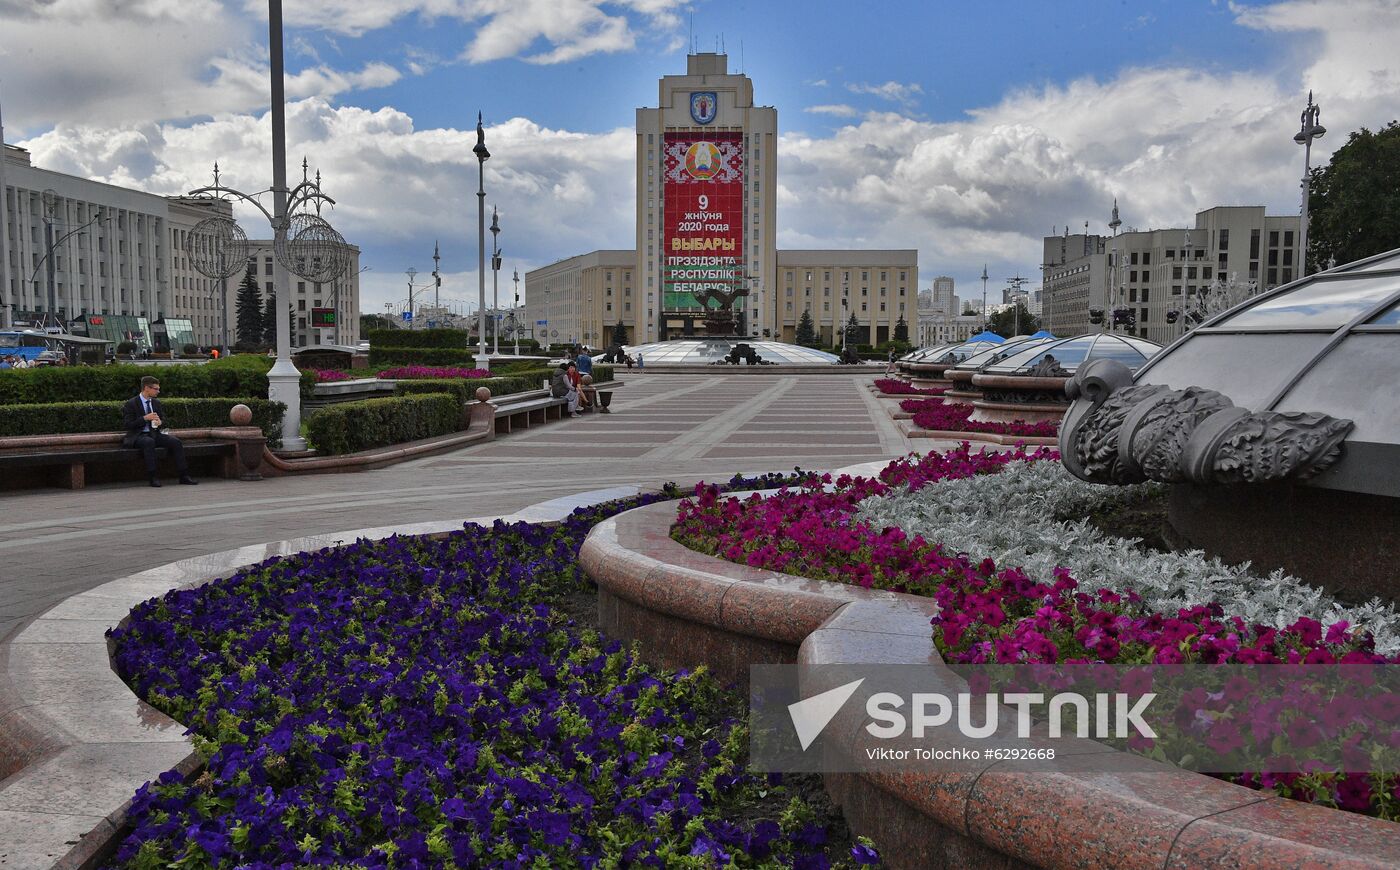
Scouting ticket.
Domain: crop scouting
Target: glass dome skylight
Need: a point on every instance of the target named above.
(1070, 353)
(1328, 343)
(703, 351)
(998, 352)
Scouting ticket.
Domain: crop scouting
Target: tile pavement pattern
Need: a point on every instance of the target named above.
(685, 428)
(56, 544)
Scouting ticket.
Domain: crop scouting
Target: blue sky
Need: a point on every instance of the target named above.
(967, 131)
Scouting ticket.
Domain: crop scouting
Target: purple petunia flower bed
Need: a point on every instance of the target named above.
(428, 702)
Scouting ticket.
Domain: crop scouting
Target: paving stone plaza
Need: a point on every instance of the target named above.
(681, 428)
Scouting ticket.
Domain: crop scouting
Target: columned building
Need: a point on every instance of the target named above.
(111, 261)
(706, 176)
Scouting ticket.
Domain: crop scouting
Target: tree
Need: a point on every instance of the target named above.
(619, 334)
(371, 322)
(248, 312)
(854, 334)
(1012, 321)
(269, 321)
(968, 310)
(901, 329)
(1354, 202)
(806, 332)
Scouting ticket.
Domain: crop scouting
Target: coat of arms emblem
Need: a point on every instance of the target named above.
(704, 105)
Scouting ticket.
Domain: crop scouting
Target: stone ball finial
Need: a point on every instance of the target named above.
(587, 379)
(482, 394)
(240, 415)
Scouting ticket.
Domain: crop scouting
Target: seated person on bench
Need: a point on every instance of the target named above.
(142, 419)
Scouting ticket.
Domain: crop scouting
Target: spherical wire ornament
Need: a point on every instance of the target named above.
(217, 247)
(312, 249)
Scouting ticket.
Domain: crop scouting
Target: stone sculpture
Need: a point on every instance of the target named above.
(1120, 432)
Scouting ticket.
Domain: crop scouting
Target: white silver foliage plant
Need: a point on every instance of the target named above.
(1033, 515)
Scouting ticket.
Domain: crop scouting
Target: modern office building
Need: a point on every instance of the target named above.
(1153, 272)
(111, 260)
(706, 176)
(581, 299)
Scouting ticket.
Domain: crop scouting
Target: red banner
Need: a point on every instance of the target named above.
(703, 222)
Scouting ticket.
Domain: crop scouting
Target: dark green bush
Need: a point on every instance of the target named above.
(461, 389)
(356, 426)
(464, 389)
(121, 382)
(382, 357)
(66, 418)
(419, 338)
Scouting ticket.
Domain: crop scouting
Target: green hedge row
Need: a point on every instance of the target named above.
(384, 357)
(241, 376)
(464, 389)
(419, 338)
(67, 418)
(372, 423)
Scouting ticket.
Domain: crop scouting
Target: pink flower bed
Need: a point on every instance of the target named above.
(992, 614)
(901, 388)
(808, 531)
(426, 372)
(934, 414)
(326, 376)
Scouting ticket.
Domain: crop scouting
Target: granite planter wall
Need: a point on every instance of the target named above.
(1004, 398)
(686, 608)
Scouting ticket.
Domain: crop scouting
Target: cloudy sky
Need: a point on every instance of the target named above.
(967, 133)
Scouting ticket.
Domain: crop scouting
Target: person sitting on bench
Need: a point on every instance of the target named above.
(143, 421)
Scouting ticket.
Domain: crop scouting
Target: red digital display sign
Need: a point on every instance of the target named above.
(323, 317)
(703, 220)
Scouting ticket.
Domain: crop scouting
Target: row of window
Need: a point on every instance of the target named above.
(846, 276)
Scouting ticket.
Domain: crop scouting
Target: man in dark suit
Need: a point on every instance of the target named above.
(142, 419)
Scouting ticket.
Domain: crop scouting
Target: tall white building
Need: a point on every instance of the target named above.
(706, 177)
(112, 260)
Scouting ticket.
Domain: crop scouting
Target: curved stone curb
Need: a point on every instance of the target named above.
(686, 609)
(985, 437)
(78, 743)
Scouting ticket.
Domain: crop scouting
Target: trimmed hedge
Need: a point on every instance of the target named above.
(461, 389)
(464, 389)
(67, 418)
(384, 357)
(419, 338)
(242, 376)
(372, 423)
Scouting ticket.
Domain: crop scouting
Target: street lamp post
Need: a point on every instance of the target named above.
(495, 281)
(984, 297)
(482, 155)
(5, 301)
(1311, 130)
(412, 320)
(304, 244)
(513, 310)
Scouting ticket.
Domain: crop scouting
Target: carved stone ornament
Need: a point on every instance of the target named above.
(1119, 432)
(1048, 367)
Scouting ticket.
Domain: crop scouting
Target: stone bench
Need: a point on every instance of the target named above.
(63, 460)
(523, 410)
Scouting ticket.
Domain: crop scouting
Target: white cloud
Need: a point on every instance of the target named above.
(69, 61)
(840, 110)
(397, 188)
(897, 92)
(1165, 141)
